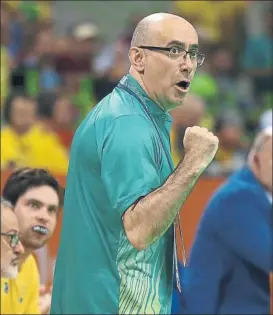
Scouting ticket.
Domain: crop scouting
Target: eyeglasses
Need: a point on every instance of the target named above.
(14, 239)
(176, 52)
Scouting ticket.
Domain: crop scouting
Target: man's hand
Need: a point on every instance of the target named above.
(45, 299)
(200, 147)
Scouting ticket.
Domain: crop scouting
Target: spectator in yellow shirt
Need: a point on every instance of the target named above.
(27, 142)
(37, 198)
(11, 246)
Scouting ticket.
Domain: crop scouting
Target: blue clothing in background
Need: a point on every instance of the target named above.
(228, 271)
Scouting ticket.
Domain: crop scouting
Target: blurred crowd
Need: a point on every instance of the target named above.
(49, 82)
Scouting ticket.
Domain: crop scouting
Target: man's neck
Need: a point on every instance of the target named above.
(138, 78)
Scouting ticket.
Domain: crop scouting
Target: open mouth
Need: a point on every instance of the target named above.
(183, 85)
(40, 229)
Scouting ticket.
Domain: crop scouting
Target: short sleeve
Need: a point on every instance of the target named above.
(129, 167)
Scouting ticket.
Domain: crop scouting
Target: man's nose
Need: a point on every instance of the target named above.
(43, 215)
(19, 248)
(185, 64)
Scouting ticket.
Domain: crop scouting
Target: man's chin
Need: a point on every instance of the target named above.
(35, 244)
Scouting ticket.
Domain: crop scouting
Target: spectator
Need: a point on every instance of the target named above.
(36, 71)
(229, 265)
(27, 142)
(11, 247)
(61, 117)
(231, 153)
(76, 60)
(36, 197)
(76, 65)
(85, 36)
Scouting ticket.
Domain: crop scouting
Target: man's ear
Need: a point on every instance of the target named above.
(256, 160)
(137, 58)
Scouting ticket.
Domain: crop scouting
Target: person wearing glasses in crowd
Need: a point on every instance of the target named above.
(36, 198)
(11, 246)
(117, 244)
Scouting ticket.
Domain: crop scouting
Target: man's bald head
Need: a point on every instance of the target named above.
(7, 214)
(9, 254)
(260, 157)
(164, 56)
(150, 28)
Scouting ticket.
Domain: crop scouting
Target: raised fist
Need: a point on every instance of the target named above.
(200, 146)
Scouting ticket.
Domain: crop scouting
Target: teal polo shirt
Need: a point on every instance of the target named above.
(116, 158)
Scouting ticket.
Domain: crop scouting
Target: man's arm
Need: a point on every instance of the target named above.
(150, 217)
(131, 178)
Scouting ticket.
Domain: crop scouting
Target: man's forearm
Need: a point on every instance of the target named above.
(150, 217)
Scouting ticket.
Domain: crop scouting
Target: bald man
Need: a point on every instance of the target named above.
(11, 247)
(230, 262)
(117, 247)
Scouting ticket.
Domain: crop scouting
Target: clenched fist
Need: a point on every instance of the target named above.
(200, 147)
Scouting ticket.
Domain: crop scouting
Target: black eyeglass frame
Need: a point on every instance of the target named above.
(201, 56)
(14, 239)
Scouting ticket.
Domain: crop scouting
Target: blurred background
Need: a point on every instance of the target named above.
(59, 58)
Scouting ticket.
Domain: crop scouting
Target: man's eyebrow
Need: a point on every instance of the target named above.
(176, 42)
(34, 200)
(41, 203)
(53, 207)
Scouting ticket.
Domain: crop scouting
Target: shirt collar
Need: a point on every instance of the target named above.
(153, 108)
